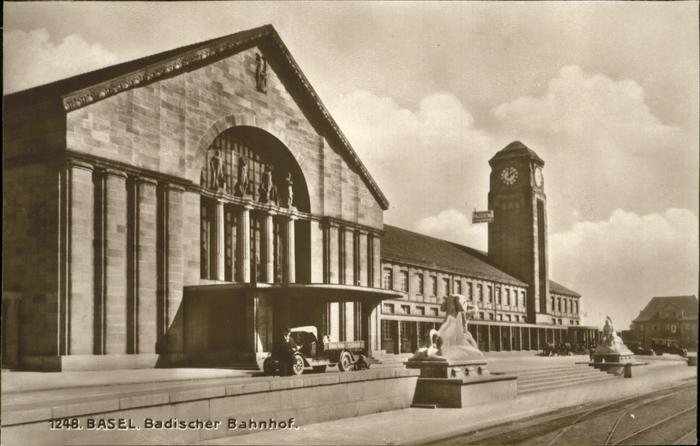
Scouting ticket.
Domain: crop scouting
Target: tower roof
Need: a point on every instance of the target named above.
(516, 149)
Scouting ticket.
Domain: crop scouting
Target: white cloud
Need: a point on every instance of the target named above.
(603, 146)
(454, 226)
(31, 58)
(591, 108)
(618, 264)
(425, 160)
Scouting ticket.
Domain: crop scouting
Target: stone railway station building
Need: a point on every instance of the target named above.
(184, 207)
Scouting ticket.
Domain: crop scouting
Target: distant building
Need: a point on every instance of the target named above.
(668, 318)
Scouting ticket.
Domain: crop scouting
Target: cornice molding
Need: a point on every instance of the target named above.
(210, 52)
(157, 71)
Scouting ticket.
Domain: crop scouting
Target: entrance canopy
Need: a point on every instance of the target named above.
(318, 292)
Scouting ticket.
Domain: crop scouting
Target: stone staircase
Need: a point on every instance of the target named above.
(548, 378)
(381, 359)
(244, 364)
(535, 379)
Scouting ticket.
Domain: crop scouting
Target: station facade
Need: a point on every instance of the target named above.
(185, 207)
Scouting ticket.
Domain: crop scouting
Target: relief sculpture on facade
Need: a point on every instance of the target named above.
(216, 167)
(242, 183)
(290, 191)
(267, 190)
(260, 73)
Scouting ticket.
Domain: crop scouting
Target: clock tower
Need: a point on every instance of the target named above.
(518, 233)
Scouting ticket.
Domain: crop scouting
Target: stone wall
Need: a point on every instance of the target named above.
(30, 251)
(308, 399)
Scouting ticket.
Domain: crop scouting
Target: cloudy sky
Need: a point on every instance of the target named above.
(605, 92)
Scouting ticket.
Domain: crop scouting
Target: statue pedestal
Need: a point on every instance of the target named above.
(612, 360)
(460, 384)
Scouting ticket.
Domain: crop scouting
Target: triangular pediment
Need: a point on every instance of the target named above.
(82, 90)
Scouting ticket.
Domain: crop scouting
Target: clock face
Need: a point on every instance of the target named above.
(509, 175)
(538, 177)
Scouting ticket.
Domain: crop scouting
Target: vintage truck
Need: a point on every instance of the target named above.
(314, 354)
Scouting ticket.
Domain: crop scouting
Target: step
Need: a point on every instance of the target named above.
(537, 371)
(555, 374)
(546, 378)
(548, 372)
(558, 386)
(555, 379)
(545, 369)
(558, 377)
(243, 366)
(544, 388)
(525, 388)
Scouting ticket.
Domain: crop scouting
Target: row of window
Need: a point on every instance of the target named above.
(232, 243)
(406, 309)
(419, 310)
(501, 317)
(556, 321)
(344, 238)
(564, 305)
(503, 295)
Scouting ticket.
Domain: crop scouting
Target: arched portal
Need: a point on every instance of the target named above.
(238, 161)
(254, 210)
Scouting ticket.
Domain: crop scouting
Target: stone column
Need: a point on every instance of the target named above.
(175, 268)
(220, 250)
(349, 275)
(364, 264)
(78, 304)
(331, 262)
(259, 320)
(398, 337)
(145, 274)
(331, 254)
(289, 252)
(510, 338)
(376, 262)
(349, 248)
(520, 338)
(115, 274)
(488, 338)
(269, 247)
(243, 240)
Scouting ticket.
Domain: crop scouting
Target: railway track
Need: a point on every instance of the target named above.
(593, 423)
(639, 432)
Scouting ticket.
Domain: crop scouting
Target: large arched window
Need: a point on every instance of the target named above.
(250, 163)
(249, 180)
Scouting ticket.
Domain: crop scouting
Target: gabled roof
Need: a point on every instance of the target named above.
(402, 245)
(405, 246)
(687, 304)
(558, 288)
(86, 88)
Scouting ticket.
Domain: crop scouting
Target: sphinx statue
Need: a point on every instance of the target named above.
(452, 342)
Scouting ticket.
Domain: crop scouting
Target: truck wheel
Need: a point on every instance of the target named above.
(345, 362)
(268, 367)
(298, 365)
